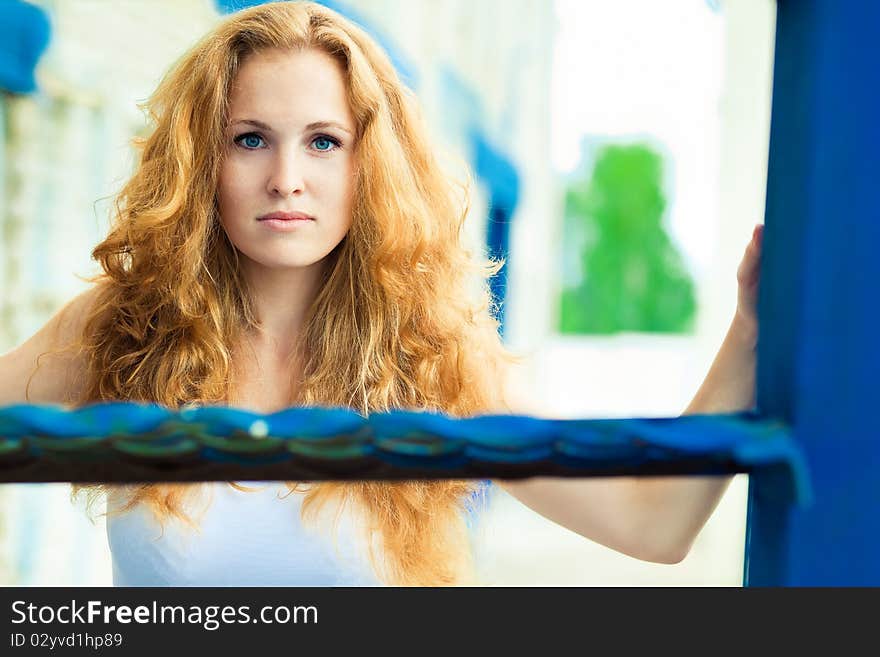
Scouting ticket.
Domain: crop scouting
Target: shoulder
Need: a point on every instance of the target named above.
(68, 323)
(515, 390)
(64, 330)
(47, 368)
(509, 390)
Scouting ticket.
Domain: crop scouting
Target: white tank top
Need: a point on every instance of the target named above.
(243, 539)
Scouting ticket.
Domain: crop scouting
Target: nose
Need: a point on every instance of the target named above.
(287, 176)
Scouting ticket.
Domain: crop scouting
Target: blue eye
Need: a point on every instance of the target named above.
(251, 140)
(324, 143)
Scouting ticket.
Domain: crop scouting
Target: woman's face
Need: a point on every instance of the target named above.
(287, 179)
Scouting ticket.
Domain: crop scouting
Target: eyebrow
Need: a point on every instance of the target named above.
(317, 125)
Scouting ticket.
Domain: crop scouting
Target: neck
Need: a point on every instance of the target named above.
(281, 298)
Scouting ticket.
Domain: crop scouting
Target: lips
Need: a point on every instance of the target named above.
(285, 216)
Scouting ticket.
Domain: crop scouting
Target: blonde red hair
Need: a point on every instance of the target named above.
(402, 321)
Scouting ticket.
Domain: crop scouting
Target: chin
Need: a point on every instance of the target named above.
(289, 258)
(286, 263)
(286, 259)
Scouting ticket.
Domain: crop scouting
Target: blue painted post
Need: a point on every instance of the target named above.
(818, 354)
(501, 177)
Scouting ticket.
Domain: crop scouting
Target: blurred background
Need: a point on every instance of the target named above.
(619, 153)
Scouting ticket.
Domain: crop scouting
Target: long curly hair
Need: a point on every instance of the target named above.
(402, 321)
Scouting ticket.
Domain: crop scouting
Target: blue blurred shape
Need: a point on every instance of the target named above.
(497, 171)
(501, 178)
(464, 114)
(26, 33)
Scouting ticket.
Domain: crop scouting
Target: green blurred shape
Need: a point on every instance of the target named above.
(632, 276)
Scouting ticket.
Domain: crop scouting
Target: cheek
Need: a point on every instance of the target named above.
(345, 200)
(345, 187)
(230, 191)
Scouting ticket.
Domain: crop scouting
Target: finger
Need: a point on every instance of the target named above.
(750, 266)
(758, 234)
(753, 248)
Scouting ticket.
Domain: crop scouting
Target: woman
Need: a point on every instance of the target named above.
(288, 238)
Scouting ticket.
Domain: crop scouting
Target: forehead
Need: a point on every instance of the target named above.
(280, 86)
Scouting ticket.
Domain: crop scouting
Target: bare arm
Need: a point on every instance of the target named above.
(44, 369)
(658, 518)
